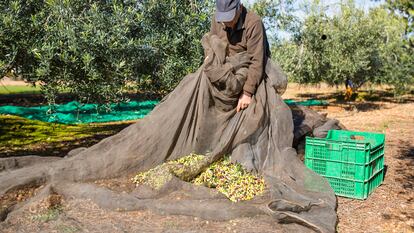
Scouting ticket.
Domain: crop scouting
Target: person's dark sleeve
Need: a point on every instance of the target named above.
(256, 49)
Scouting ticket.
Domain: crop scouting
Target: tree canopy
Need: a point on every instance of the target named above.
(97, 49)
(363, 47)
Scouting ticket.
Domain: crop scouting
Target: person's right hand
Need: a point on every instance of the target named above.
(244, 102)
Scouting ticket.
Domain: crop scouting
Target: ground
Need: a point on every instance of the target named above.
(390, 208)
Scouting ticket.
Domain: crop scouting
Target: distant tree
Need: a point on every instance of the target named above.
(404, 8)
(361, 47)
(396, 54)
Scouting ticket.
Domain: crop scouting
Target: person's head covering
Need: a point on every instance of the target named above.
(226, 10)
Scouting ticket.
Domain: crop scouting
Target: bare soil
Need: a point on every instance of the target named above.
(390, 208)
(6, 81)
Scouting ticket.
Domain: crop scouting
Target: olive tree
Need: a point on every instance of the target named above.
(96, 49)
(362, 47)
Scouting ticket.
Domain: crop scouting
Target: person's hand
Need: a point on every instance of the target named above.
(244, 102)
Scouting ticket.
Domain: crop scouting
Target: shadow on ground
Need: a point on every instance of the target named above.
(20, 136)
(362, 100)
(405, 177)
(405, 168)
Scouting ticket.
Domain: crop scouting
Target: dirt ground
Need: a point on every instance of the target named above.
(6, 81)
(390, 208)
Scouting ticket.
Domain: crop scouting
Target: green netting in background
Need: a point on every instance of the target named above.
(76, 113)
(310, 102)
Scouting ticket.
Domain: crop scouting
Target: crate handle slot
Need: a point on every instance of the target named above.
(357, 137)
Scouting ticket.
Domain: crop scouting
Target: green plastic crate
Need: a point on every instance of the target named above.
(351, 161)
(356, 189)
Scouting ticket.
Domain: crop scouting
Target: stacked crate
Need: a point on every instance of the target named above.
(352, 162)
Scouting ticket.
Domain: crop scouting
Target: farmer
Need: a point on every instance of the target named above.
(349, 86)
(244, 31)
